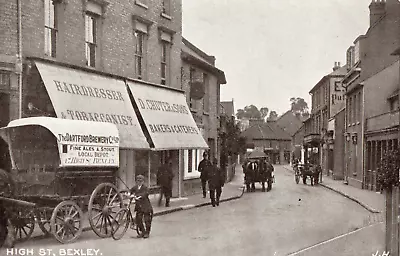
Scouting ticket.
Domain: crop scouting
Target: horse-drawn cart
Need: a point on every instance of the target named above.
(306, 170)
(257, 169)
(63, 170)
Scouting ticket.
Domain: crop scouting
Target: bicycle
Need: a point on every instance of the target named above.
(124, 218)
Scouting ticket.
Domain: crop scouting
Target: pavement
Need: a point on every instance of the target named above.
(372, 201)
(231, 191)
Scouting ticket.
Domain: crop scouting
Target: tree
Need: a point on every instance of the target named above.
(388, 170)
(234, 143)
(298, 105)
(250, 112)
(273, 116)
(264, 112)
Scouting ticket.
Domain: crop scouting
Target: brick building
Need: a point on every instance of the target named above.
(371, 94)
(327, 100)
(92, 50)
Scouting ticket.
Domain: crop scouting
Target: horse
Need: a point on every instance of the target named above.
(258, 171)
(313, 171)
(250, 171)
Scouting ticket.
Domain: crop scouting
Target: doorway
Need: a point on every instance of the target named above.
(5, 160)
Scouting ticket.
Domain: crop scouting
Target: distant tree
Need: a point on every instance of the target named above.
(273, 116)
(264, 112)
(298, 105)
(248, 112)
(235, 143)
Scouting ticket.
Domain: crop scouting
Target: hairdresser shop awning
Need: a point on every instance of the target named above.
(167, 117)
(79, 95)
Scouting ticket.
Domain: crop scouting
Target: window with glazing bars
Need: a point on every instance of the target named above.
(5, 80)
(139, 50)
(50, 30)
(90, 38)
(164, 49)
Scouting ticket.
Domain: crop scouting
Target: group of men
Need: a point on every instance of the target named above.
(213, 175)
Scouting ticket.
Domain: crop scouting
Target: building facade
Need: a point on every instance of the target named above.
(132, 49)
(327, 100)
(370, 85)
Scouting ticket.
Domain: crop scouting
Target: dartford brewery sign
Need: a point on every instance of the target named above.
(79, 95)
(88, 150)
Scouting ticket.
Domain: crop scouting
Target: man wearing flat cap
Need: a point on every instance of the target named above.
(143, 207)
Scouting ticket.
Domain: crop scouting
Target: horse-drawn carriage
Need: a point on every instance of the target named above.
(307, 170)
(63, 171)
(256, 168)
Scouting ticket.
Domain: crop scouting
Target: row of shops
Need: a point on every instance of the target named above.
(154, 122)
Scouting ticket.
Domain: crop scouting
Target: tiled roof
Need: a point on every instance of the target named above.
(228, 108)
(267, 131)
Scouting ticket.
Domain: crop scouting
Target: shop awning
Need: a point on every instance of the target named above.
(80, 95)
(167, 117)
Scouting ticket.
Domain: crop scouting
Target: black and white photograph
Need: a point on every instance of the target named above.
(199, 127)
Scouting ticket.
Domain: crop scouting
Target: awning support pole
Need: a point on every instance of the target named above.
(149, 170)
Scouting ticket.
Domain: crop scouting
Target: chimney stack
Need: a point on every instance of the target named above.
(376, 11)
(336, 66)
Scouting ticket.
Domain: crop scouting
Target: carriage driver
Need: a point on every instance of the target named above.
(6, 189)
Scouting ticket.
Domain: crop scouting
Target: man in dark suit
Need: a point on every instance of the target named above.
(204, 167)
(143, 207)
(165, 176)
(215, 183)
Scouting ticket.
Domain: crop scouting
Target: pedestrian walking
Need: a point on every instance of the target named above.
(165, 176)
(143, 207)
(204, 167)
(215, 183)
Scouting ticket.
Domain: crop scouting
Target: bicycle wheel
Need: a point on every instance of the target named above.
(120, 224)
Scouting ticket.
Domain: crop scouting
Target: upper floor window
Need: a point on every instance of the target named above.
(192, 102)
(166, 40)
(90, 39)
(166, 6)
(5, 80)
(50, 30)
(350, 57)
(206, 98)
(139, 53)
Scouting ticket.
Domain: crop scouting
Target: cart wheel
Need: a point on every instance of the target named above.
(104, 204)
(43, 216)
(297, 178)
(24, 223)
(66, 222)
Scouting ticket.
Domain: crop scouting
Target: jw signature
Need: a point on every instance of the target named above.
(383, 254)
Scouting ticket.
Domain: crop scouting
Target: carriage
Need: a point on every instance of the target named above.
(306, 170)
(256, 170)
(65, 174)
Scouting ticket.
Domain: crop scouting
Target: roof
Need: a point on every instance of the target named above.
(266, 131)
(289, 122)
(342, 71)
(228, 108)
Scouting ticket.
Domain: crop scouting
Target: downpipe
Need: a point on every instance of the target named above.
(19, 57)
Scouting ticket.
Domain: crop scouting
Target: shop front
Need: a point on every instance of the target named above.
(78, 94)
(167, 121)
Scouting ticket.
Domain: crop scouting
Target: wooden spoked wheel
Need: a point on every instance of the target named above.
(66, 222)
(104, 204)
(23, 222)
(43, 216)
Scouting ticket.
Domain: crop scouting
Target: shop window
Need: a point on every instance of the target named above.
(139, 53)
(50, 29)
(5, 80)
(90, 38)
(192, 159)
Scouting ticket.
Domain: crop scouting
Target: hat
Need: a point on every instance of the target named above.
(140, 177)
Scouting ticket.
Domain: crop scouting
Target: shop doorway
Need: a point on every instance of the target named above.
(5, 161)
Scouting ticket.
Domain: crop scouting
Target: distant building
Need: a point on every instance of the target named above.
(271, 139)
(289, 122)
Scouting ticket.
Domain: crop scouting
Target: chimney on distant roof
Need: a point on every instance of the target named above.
(376, 11)
(336, 66)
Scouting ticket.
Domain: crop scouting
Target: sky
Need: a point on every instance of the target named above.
(272, 50)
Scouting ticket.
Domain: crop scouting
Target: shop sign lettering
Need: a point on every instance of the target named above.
(79, 138)
(158, 105)
(82, 155)
(166, 128)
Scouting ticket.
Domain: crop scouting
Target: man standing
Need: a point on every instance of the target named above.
(204, 168)
(164, 179)
(143, 208)
(7, 189)
(215, 183)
